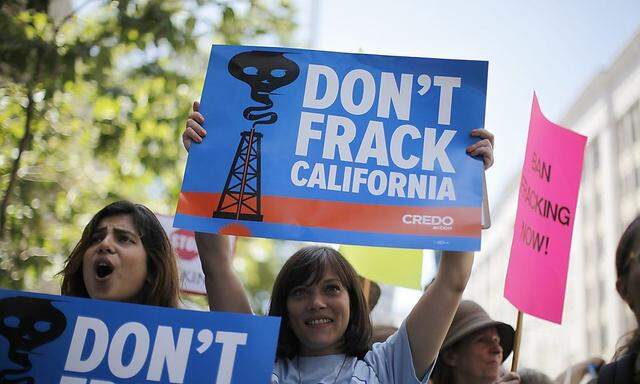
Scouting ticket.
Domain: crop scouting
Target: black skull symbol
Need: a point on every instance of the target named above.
(27, 323)
(264, 72)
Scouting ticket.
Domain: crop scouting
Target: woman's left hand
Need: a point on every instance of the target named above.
(483, 147)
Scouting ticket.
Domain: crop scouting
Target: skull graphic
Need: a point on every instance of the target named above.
(28, 323)
(264, 72)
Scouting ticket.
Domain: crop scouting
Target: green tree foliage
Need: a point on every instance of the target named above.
(93, 100)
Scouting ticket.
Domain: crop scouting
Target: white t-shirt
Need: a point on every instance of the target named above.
(389, 362)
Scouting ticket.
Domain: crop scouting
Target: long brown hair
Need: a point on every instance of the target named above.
(307, 267)
(628, 248)
(161, 287)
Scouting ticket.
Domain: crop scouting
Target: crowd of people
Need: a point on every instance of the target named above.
(326, 335)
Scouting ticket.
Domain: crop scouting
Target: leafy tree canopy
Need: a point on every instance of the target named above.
(93, 99)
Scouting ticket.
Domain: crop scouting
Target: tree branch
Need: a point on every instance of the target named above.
(24, 142)
(16, 163)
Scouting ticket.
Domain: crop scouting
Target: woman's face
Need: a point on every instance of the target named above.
(629, 286)
(477, 359)
(319, 315)
(114, 267)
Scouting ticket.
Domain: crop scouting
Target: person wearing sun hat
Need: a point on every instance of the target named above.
(474, 349)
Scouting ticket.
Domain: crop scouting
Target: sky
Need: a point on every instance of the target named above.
(551, 47)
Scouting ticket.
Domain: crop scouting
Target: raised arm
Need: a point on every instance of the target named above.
(429, 321)
(224, 289)
(431, 317)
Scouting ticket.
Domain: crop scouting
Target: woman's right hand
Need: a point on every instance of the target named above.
(193, 131)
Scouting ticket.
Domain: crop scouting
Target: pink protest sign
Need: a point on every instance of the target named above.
(537, 273)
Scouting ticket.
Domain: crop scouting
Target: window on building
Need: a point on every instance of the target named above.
(623, 133)
(628, 127)
(635, 120)
(593, 349)
(595, 152)
(602, 292)
(603, 336)
(627, 182)
(633, 135)
(620, 138)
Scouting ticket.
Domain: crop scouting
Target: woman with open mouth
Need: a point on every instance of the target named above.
(123, 255)
(325, 333)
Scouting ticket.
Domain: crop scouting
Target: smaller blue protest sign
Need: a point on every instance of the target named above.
(68, 340)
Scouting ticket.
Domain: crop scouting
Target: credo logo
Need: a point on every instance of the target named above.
(185, 244)
(445, 222)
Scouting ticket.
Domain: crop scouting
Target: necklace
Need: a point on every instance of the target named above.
(344, 360)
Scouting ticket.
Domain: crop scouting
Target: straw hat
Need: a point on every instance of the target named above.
(469, 318)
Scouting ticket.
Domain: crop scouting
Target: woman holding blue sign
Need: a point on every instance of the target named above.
(326, 331)
(123, 255)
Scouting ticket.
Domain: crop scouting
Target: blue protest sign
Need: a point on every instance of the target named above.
(334, 147)
(67, 340)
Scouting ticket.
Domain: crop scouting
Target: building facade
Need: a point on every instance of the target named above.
(594, 318)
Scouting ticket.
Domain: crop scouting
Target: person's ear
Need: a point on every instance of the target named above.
(450, 358)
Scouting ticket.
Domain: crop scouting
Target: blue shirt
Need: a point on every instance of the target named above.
(389, 362)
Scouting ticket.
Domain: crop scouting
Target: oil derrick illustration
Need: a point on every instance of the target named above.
(264, 72)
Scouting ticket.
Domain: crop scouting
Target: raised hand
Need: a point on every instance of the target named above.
(193, 131)
(483, 147)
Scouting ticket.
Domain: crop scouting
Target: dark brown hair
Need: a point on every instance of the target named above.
(161, 287)
(628, 247)
(443, 372)
(307, 267)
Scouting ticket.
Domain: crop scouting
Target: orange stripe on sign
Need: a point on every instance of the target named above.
(371, 218)
(197, 203)
(410, 220)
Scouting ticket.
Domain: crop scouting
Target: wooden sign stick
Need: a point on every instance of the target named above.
(516, 343)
